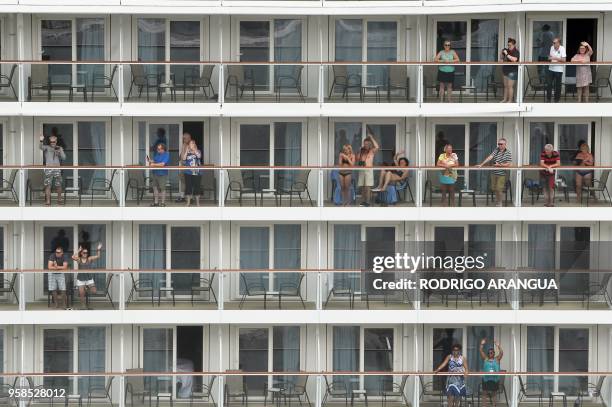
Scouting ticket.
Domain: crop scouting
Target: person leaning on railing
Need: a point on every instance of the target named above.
(446, 73)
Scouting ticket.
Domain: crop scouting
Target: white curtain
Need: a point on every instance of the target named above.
(346, 355)
(152, 254)
(157, 346)
(287, 253)
(254, 254)
(540, 355)
(90, 47)
(347, 250)
(92, 348)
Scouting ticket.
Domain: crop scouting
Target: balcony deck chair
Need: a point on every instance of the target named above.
(8, 185)
(6, 81)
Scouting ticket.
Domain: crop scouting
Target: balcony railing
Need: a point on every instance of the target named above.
(303, 186)
(317, 82)
(135, 387)
(522, 287)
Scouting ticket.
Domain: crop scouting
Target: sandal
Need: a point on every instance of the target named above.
(154, 204)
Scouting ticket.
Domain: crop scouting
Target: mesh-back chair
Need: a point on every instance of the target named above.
(237, 184)
(290, 80)
(142, 286)
(103, 82)
(534, 81)
(8, 185)
(203, 393)
(344, 81)
(104, 186)
(252, 289)
(291, 289)
(6, 81)
(398, 80)
(9, 287)
(430, 81)
(600, 185)
(142, 80)
(209, 184)
(598, 289)
(428, 390)
(296, 389)
(336, 390)
(98, 394)
(593, 391)
(135, 387)
(203, 81)
(203, 285)
(602, 79)
(137, 183)
(397, 391)
(241, 78)
(34, 184)
(495, 81)
(103, 293)
(293, 183)
(530, 390)
(39, 80)
(235, 387)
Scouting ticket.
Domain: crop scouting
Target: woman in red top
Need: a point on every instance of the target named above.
(549, 160)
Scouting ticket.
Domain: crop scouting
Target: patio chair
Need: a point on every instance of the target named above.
(104, 186)
(7, 395)
(203, 393)
(291, 289)
(290, 80)
(203, 81)
(209, 183)
(237, 184)
(507, 192)
(342, 80)
(236, 387)
(142, 80)
(534, 81)
(427, 390)
(39, 80)
(104, 293)
(398, 80)
(135, 387)
(397, 391)
(241, 79)
(101, 394)
(137, 183)
(140, 287)
(494, 81)
(252, 289)
(293, 183)
(8, 185)
(103, 82)
(6, 81)
(600, 185)
(430, 81)
(592, 391)
(598, 289)
(342, 291)
(335, 390)
(296, 389)
(34, 184)
(530, 390)
(531, 182)
(9, 287)
(203, 285)
(601, 79)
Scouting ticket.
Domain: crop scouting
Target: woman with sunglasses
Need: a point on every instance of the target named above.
(85, 279)
(491, 364)
(455, 384)
(446, 73)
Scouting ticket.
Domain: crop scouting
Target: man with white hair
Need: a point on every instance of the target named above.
(549, 160)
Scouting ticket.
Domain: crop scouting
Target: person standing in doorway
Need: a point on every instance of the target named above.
(511, 55)
(584, 77)
(181, 179)
(446, 73)
(555, 72)
(53, 155)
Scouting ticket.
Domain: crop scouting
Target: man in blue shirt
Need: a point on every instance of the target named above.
(159, 177)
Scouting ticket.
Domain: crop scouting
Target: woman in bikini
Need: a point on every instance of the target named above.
(346, 159)
(395, 175)
(583, 158)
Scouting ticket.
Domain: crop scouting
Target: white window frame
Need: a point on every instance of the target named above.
(37, 40)
(204, 239)
(468, 37)
(591, 349)
(236, 54)
(431, 230)
(399, 230)
(235, 233)
(401, 136)
(204, 48)
(364, 40)
(235, 141)
(235, 345)
(396, 348)
(532, 17)
(74, 122)
(173, 328)
(39, 289)
(75, 350)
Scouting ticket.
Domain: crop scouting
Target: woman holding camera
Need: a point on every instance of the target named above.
(583, 72)
(511, 55)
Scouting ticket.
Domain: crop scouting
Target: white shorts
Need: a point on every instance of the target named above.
(87, 283)
(366, 178)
